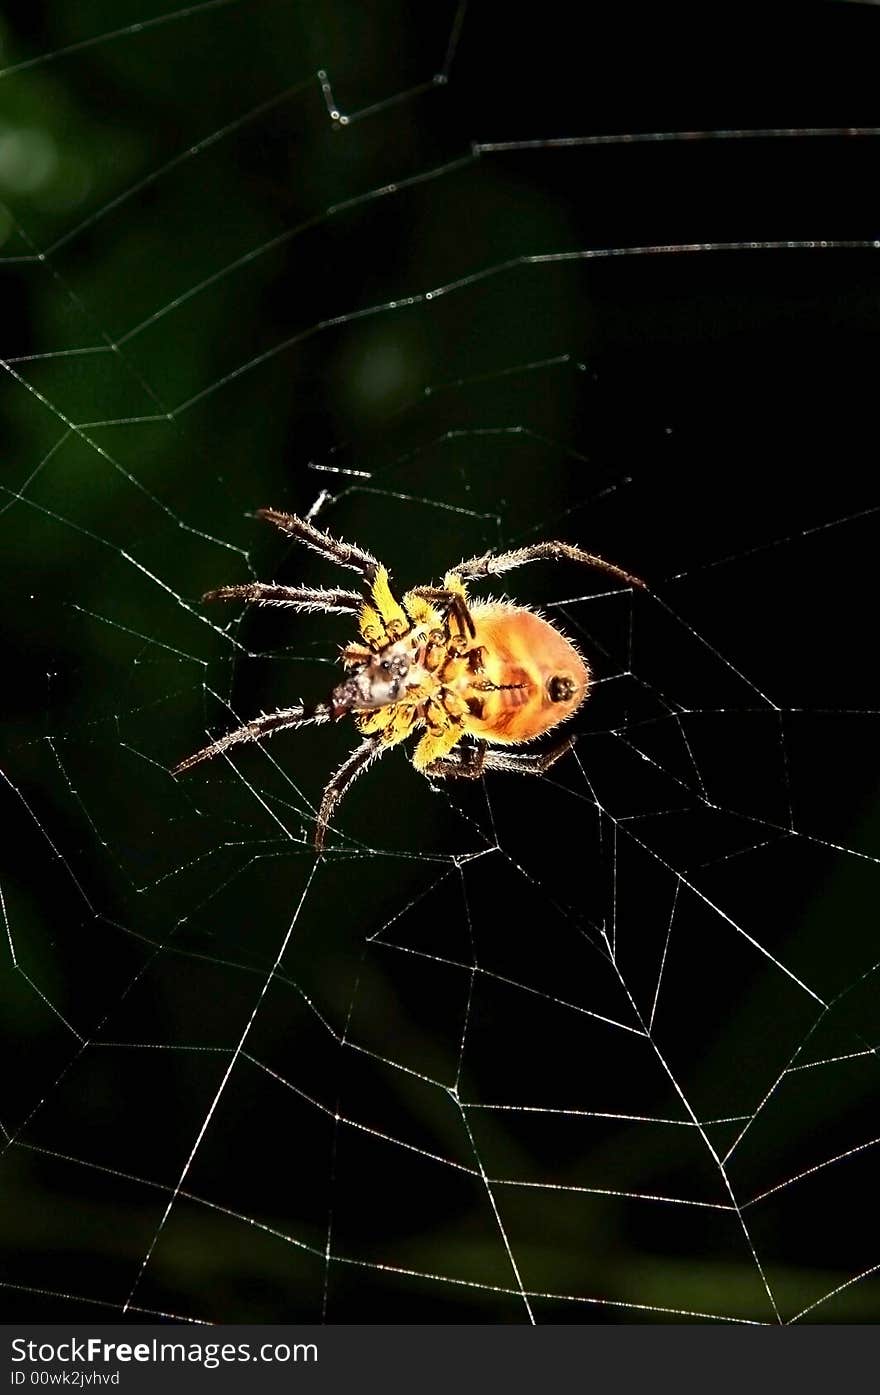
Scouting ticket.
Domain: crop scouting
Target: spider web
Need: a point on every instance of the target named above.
(593, 1048)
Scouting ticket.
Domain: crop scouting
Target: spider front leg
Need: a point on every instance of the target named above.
(315, 598)
(490, 564)
(344, 554)
(382, 617)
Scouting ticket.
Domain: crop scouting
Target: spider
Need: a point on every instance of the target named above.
(468, 675)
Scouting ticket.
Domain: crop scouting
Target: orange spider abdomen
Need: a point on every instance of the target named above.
(532, 677)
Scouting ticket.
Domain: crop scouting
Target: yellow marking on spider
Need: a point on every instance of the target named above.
(453, 582)
(435, 745)
(422, 612)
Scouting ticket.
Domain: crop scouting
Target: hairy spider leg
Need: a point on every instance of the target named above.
(313, 598)
(355, 763)
(384, 610)
(344, 554)
(492, 564)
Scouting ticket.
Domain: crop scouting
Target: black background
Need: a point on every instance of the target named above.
(705, 417)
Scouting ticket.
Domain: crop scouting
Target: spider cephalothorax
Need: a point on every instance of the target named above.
(433, 663)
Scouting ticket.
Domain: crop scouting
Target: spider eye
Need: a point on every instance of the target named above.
(561, 688)
(386, 664)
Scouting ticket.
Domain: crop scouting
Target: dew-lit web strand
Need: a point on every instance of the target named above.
(35, 472)
(466, 433)
(490, 1192)
(148, 641)
(193, 150)
(612, 1115)
(871, 1050)
(466, 1018)
(779, 828)
(428, 1155)
(717, 910)
(857, 1149)
(454, 165)
(510, 982)
(487, 1182)
(286, 1238)
(439, 79)
(78, 429)
(659, 980)
(84, 313)
(192, 11)
(344, 1041)
(75, 429)
(712, 1152)
(84, 1042)
(668, 137)
(835, 1060)
(478, 150)
(621, 1193)
(53, 847)
(88, 1299)
(676, 712)
(126, 557)
(454, 1095)
(510, 264)
(742, 852)
(280, 240)
(357, 1124)
(75, 794)
(875, 1268)
(783, 540)
(812, 1170)
(8, 928)
(403, 1143)
(549, 524)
